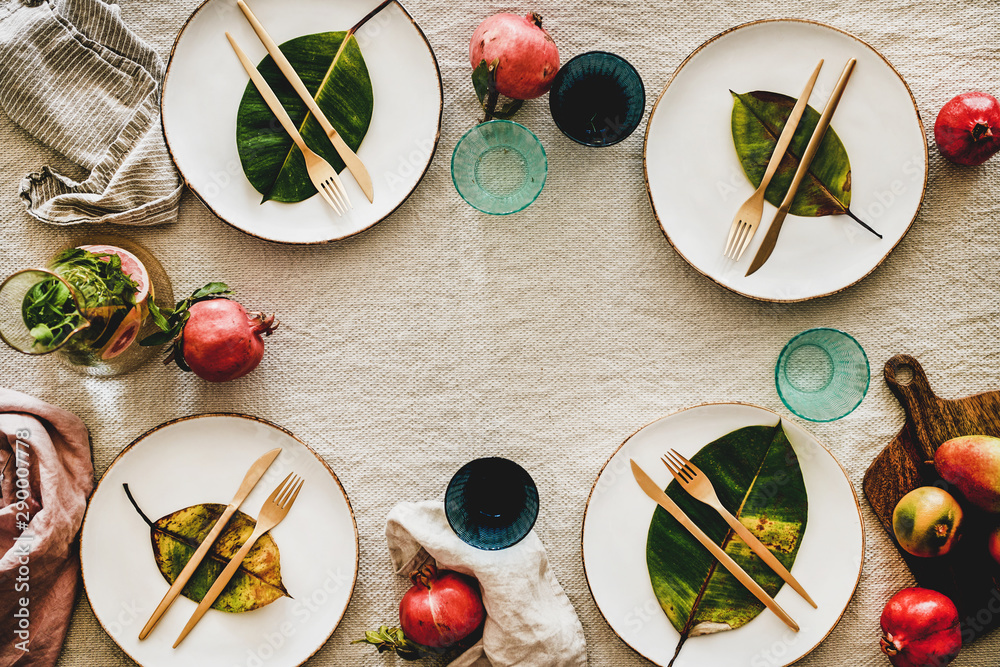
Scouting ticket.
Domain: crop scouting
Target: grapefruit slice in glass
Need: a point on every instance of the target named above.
(128, 330)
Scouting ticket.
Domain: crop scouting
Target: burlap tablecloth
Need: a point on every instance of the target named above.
(549, 336)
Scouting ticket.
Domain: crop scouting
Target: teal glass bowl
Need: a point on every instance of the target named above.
(499, 167)
(822, 374)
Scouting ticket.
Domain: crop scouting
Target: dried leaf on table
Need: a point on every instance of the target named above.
(176, 536)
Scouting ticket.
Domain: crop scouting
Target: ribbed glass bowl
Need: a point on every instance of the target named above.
(491, 503)
(822, 374)
(597, 99)
(499, 167)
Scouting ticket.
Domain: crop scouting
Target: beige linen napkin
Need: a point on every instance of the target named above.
(75, 77)
(530, 622)
(47, 476)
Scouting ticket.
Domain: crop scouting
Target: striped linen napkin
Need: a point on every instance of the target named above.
(76, 78)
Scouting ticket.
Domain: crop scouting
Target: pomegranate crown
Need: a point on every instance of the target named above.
(424, 575)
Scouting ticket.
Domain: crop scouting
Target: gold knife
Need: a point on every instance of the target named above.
(653, 490)
(350, 158)
(771, 237)
(253, 476)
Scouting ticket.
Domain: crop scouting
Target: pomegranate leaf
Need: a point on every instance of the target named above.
(211, 289)
(757, 119)
(176, 536)
(484, 81)
(171, 321)
(342, 89)
(757, 477)
(392, 640)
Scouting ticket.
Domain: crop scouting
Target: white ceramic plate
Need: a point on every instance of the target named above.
(205, 82)
(617, 520)
(203, 459)
(696, 184)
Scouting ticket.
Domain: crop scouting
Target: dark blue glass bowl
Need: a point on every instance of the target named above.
(491, 503)
(597, 99)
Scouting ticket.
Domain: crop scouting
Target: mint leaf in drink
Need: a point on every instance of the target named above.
(49, 308)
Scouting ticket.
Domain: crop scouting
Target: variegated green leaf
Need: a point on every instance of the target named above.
(757, 120)
(757, 477)
(258, 581)
(342, 90)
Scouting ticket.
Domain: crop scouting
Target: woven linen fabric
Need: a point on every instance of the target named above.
(548, 337)
(75, 77)
(529, 619)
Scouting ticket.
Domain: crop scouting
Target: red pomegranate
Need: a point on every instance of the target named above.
(993, 544)
(920, 629)
(441, 609)
(527, 56)
(967, 130)
(222, 341)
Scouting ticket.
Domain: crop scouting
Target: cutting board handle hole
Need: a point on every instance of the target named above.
(904, 375)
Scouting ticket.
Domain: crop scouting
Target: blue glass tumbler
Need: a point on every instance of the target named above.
(597, 99)
(491, 503)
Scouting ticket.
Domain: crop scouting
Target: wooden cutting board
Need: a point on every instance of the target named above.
(967, 575)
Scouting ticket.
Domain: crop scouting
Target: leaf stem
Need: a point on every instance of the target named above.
(492, 98)
(136, 505)
(677, 652)
(861, 222)
(353, 29)
(368, 17)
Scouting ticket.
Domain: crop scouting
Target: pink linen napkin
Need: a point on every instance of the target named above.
(46, 478)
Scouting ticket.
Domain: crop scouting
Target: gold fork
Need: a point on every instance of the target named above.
(696, 483)
(323, 176)
(274, 510)
(747, 219)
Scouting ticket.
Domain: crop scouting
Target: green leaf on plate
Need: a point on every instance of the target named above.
(757, 477)
(176, 536)
(757, 120)
(341, 88)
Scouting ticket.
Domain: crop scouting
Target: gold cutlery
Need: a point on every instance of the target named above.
(274, 510)
(653, 490)
(350, 158)
(747, 219)
(696, 483)
(323, 176)
(771, 237)
(253, 476)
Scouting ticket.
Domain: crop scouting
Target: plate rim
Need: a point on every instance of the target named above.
(748, 24)
(266, 422)
(198, 195)
(857, 503)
